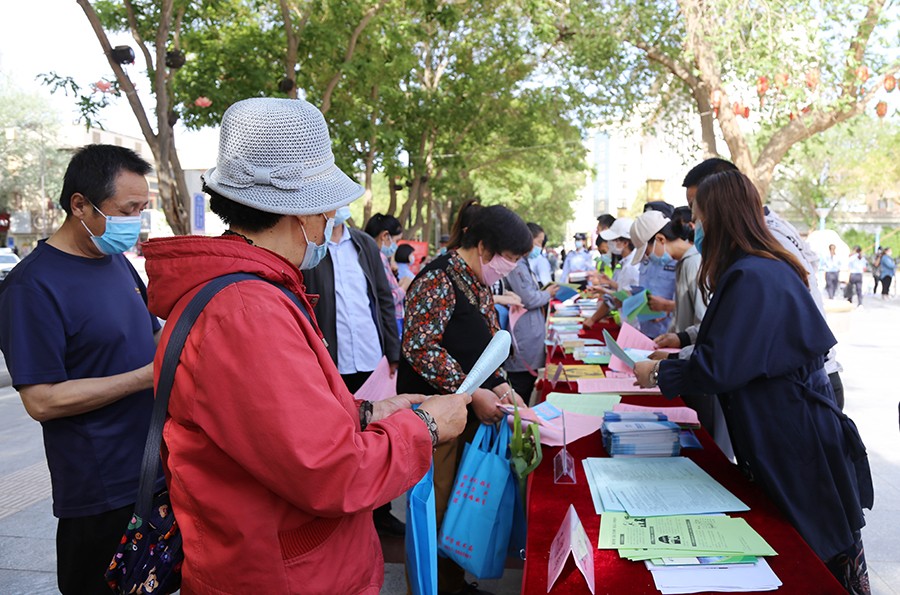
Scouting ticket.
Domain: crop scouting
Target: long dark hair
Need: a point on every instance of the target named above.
(733, 225)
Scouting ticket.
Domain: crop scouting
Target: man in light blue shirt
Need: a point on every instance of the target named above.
(358, 345)
(355, 312)
(577, 261)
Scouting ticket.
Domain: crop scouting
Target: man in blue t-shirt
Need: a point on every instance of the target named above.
(79, 343)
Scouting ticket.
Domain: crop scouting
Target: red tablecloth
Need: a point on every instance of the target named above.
(797, 566)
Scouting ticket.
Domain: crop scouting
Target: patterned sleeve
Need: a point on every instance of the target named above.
(429, 305)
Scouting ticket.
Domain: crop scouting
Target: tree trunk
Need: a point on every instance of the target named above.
(367, 195)
(392, 193)
(290, 54)
(698, 44)
(707, 128)
(172, 187)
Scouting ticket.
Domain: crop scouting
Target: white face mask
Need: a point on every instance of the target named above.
(616, 248)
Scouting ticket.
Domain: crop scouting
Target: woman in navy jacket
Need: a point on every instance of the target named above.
(761, 348)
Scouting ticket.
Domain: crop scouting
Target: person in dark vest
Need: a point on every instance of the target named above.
(450, 319)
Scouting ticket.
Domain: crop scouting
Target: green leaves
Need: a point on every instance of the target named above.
(524, 449)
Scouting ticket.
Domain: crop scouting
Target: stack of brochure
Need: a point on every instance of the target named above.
(690, 554)
(644, 434)
(587, 306)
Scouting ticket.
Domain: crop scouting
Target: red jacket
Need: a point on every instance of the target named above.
(271, 480)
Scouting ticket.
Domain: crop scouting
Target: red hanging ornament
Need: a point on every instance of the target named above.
(738, 108)
(103, 86)
(812, 79)
(203, 101)
(881, 109)
(862, 74)
(781, 80)
(890, 83)
(762, 86)
(746, 112)
(715, 98)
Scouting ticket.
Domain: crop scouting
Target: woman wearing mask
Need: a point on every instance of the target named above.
(626, 276)
(657, 267)
(404, 259)
(688, 306)
(450, 319)
(530, 328)
(387, 231)
(787, 431)
(261, 429)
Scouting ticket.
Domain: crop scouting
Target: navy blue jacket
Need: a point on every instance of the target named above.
(761, 348)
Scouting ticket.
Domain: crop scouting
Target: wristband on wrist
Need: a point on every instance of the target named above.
(432, 425)
(654, 374)
(365, 414)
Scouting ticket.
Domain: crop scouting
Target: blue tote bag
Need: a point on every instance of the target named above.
(476, 529)
(421, 536)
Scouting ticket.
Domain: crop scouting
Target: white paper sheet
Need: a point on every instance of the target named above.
(735, 578)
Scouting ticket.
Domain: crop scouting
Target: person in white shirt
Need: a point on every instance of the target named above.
(857, 266)
(831, 264)
(626, 276)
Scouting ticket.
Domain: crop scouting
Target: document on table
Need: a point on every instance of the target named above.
(658, 487)
(624, 386)
(577, 426)
(578, 371)
(587, 403)
(684, 416)
(685, 533)
(734, 578)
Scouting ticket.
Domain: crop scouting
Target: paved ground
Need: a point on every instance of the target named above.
(869, 348)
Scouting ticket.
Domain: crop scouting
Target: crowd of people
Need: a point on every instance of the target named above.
(267, 451)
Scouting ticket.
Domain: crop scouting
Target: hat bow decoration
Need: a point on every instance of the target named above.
(238, 172)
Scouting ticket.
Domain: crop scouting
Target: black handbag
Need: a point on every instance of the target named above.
(149, 557)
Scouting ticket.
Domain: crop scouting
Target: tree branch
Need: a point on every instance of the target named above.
(709, 72)
(133, 26)
(348, 55)
(293, 42)
(699, 89)
(124, 82)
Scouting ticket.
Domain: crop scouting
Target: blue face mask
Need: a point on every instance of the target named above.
(121, 233)
(341, 215)
(315, 252)
(535, 252)
(606, 259)
(660, 260)
(698, 237)
(389, 250)
(579, 244)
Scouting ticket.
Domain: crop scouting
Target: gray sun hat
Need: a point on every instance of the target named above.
(275, 156)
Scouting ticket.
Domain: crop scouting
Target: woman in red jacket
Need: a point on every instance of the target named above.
(273, 469)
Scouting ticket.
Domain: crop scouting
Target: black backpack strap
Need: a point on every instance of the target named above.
(150, 462)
